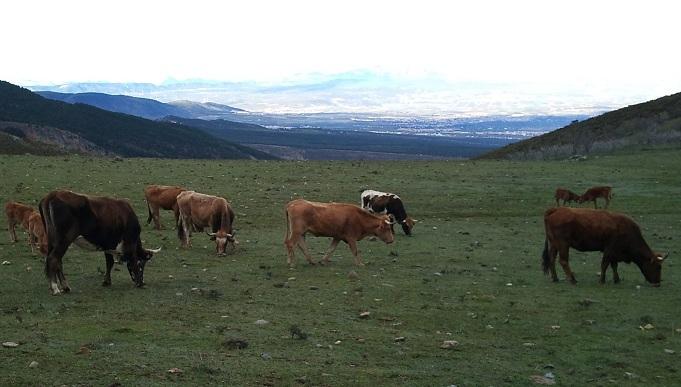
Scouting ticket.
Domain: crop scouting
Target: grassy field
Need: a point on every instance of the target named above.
(470, 273)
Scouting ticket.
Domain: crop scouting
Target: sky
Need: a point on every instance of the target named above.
(611, 46)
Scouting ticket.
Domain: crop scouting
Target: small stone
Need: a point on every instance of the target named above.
(83, 351)
(6, 262)
(170, 276)
(353, 275)
(33, 364)
(648, 327)
(399, 339)
(10, 344)
(555, 327)
(261, 322)
(265, 356)
(538, 379)
(360, 340)
(549, 375)
(175, 370)
(314, 287)
(529, 344)
(509, 284)
(178, 293)
(364, 315)
(669, 351)
(449, 344)
(337, 342)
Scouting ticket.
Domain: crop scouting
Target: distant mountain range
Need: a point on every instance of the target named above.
(29, 121)
(142, 107)
(649, 124)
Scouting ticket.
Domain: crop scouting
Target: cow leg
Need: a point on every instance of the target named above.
(595, 204)
(564, 253)
(62, 279)
(176, 213)
(553, 252)
(109, 265)
(353, 248)
(53, 267)
(615, 275)
(157, 217)
(303, 247)
(331, 249)
(605, 262)
(11, 227)
(290, 249)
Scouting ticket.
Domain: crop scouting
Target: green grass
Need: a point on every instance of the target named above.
(480, 229)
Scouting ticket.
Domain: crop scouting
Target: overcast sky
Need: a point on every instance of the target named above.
(606, 42)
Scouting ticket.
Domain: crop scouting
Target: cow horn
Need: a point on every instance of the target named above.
(388, 222)
(212, 234)
(662, 258)
(154, 250)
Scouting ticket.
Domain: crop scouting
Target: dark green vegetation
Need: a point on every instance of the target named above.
(121, 134)
(317, 143)
(470, 273)
(650, 124)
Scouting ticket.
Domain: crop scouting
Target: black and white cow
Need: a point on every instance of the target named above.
(387, 203)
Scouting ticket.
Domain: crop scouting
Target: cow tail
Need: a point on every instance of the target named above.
(180, 227)
(47, 215)
(546, 260)
(149, 209)
(288, 225)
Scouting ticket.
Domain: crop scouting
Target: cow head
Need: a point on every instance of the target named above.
(384, 229)
(407, 224)
(652, 269)
(221, 238)
(136, 261)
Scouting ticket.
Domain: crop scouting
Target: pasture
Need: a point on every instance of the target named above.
(470, 273)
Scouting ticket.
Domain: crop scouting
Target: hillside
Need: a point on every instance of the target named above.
(648, 124)
(117, 133)
(141, 107)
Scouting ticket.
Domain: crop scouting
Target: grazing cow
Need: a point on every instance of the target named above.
(583, 229)
(161, 196)
(36, 233)
(342, 222)
(103, 222)
(198, 211)
(387, 203)
(17, 213)
(594, 193)
(566, 196)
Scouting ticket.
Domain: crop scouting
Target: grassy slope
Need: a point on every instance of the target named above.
(119, 133)
(481, 229)
(652, 123)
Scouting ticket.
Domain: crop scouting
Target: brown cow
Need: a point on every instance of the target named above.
(37, 236)
(583, 229)
(198, 211)
(594, 193)
(342, 222)
(17, 213)
(161, 196)
(105, 223)
(566, 196)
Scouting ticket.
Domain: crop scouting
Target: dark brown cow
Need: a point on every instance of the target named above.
(198, 211)
(161, 196)
(583, 229)
(594, 193)
(104, 222)
(17, 213)
(388, 203)
(37, 236)
(566, 196)
(342, 222)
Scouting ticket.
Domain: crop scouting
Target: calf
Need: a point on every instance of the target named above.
(161, 196)
(616, 235)
(198, 211)
(342, 222)
(387, 203)
(594, 193)
(17, 213)
(566, 196)
(37, 236)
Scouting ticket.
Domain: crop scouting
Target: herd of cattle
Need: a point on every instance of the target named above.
(110, 225)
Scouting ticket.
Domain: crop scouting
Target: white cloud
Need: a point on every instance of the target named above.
(602, 45)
